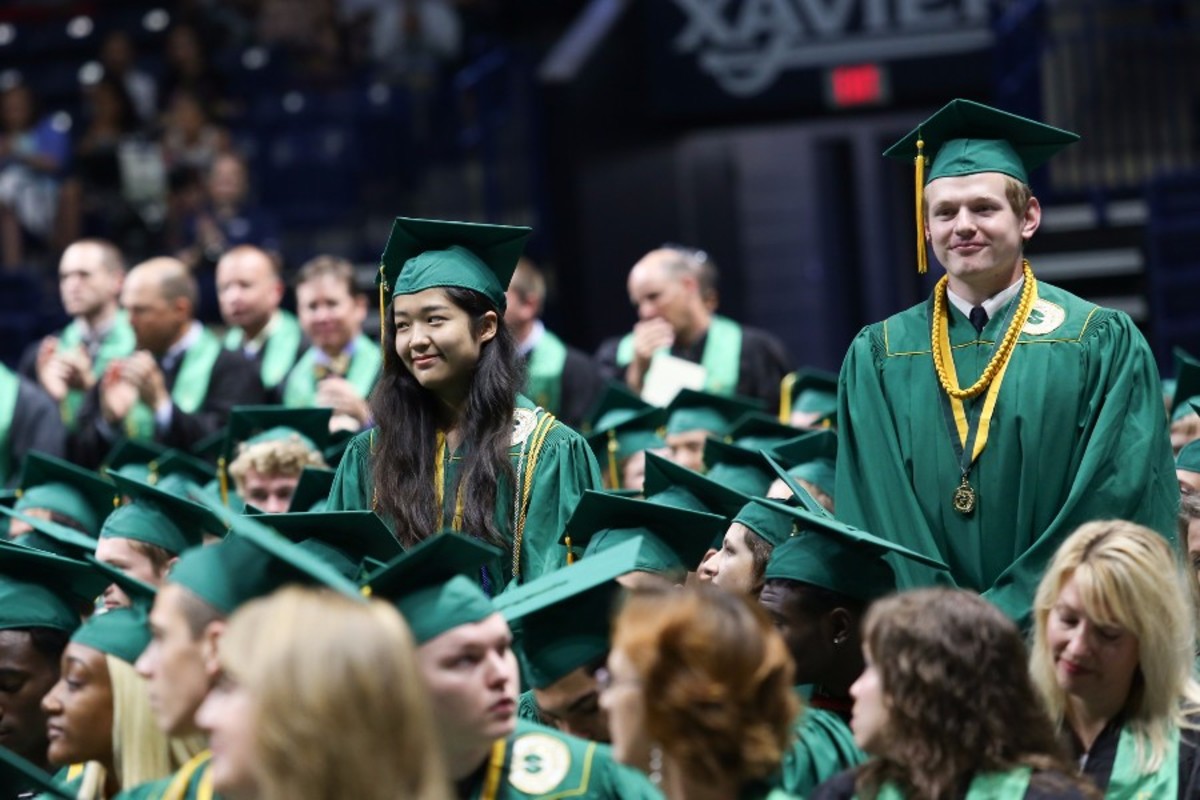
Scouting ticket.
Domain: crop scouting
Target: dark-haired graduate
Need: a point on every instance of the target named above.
(455, 446)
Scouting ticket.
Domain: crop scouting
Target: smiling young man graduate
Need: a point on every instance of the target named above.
(987, 423)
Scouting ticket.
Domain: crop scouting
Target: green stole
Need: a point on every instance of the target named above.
(279, 349)
(10, 384)
(721, 360)
(1127, 782)
(546, 361)
(301, 389)
(1010, 785)
(191, 385)
(119, 342)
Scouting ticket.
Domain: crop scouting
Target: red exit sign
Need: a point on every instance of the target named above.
(856, 85)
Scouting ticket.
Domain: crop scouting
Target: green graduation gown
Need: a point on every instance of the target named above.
(542, 762)
(554, 467)
(1079, 433)
(823, 747)
(191, 782)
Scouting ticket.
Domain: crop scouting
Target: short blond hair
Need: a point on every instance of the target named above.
(1127, 575)
(284, 457)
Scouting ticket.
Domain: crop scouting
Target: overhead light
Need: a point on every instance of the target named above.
(91, 73)
(80, 27)
(156, 20)
(7, 33)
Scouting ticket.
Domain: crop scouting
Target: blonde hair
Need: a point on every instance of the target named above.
(141, 752)
(1127, 576)
(318, 664)
(288, 456)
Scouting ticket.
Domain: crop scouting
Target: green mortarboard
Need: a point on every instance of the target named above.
(566, 615)
(136, 457)
(140, 593)
(615, 406)
(19, 775)
(738, 468)
(812, 457)
(339, 440)
(62, 487)
(256, 424)
(51, 537)
(120, 632)
(1188, 459)
(156, 516)
(184, 465)
(312, 490)
(837, 557)
(676, 538)
(699, 411)
(357, 535)
(1187, 383)
(800, 496)
(251, 562)
(811, 391)
(668, 483)
(435, 585)
(612, 445)
(771, 526)
(44, 590)
(210, 446)
(758, 430)
(425, 254)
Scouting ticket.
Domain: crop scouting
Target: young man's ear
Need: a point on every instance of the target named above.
(210, 639)
(1032, 219)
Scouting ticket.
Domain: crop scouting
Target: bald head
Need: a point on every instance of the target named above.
(89, 276)
(160, 297)
(249, 289)
(664, 285)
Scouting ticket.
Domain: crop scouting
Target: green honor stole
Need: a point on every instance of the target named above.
(1010, 785)
(117, 343)
(1127, 782)
(191, 385)
(544, 384)
(10, 384)
(279, 349)
(721, 359)
(301, 388)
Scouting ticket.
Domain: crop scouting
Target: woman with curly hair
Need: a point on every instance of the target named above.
(698, 692)
(947, 710)
(455, 445)
(1113, 654)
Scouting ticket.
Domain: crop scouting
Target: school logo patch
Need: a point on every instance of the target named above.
(540, 763)
(524, 421)
(1044, 317)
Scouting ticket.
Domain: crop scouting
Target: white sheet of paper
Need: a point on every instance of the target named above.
(667, 375)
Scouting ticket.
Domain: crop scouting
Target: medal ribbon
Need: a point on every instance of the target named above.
(439, 486)
(969, 432)
(1128, 782)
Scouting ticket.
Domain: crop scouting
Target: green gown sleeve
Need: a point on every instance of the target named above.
(823, 747)
(527, 707)
(352, 483)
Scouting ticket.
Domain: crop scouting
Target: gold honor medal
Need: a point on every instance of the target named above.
(964, 497)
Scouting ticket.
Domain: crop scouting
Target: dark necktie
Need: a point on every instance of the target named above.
(979, 318)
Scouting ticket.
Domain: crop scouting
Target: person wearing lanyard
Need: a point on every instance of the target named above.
(1113, 657)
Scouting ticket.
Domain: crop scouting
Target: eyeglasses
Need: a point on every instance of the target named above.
(606, 681)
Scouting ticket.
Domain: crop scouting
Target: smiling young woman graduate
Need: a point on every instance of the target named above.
(455, 446)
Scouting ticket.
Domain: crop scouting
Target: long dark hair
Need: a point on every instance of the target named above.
(405, 448)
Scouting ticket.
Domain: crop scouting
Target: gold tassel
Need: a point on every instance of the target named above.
(382, 310)
(152, 478)
(570, 552)
(614, 476)
(223, 481)
(922, 256)
(785, 398)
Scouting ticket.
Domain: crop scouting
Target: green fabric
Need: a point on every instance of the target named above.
(668, 483)
(312, 490)
(1078, 433)
(44, 590)
(10, 384)
(760, 431)
(60, 486)
(771, 526)
(540, 761)
(190, 389)
(300, 391)
(564, 469)
(1127, 781)
(615, 406)
(1010, 785)
(527, 707)
(814, 391)
(965, 138)
(812, 457)
(159, 517)
(1187, 383)
(120, 632)
(357, 534)
(822, 746)
(1188, 459)
(119, 342)
(279, 352)
(194, 778)
(251, 425)
(18, 776)
(51, 536)
(544, 381)
(704, 411)
(722, 357)
(737, 468)
(435, 610)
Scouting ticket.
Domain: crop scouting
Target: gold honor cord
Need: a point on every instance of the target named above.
(495, 770)
(970, 431)
(439, 487)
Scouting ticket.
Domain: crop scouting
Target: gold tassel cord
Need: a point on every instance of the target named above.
(919, 161)
(570, 552)
(382, 311)
(614, 475)
(785, 397)
(223, 481)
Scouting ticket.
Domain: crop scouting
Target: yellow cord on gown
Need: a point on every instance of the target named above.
(919, 162)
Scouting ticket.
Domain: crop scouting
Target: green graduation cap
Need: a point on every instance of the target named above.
(615, 406)
(65, 489)
(1188, 459)
(812, 457)
(136, 457)
(312, 490)
(811, 391)
(772, 526)
(565, 616)
(184, 465)
(255, 424)
(738, 468)
(1187, 384)
(251, 562)
(676, 538)
(19, 775)
(140, 593)
(759, 430)
(966, 138)
(700, 411)
(639, 431)
(425, 253)
(51, 537)
(120, 632)
(158, 517)
(435, 585)
(355, 535)
(834, 556)
(800, 496)
(668, 483)
(44, 590)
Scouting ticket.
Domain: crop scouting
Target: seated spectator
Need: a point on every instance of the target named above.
(33, 156)
(227, 217)
(117, 56)
(188, 70)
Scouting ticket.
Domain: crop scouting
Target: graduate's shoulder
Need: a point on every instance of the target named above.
(548, 763)
(534, 426)
(1060, 316)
